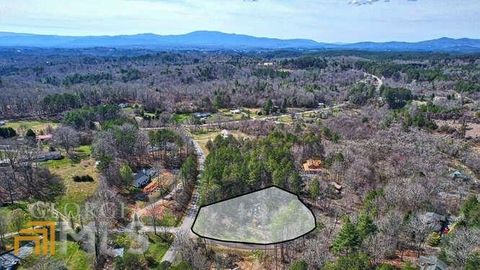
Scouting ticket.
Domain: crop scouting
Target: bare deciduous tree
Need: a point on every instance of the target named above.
(4, 221)
(67, 138)
(190, 251)
(18, 219)
(315, 251)
(461, 244)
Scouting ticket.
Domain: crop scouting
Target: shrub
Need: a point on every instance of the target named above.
(7, 132)
(409, 266)
(165, 265)
(130, 261)
(397, 98)
(434, 239)
(83, 178)
(30, 134)
(473, 261)
(299, 265)
(181, 266)
(471, 211)
(353, 261)
(386, 267)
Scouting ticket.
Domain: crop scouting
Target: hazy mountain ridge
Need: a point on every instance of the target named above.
(219, 40)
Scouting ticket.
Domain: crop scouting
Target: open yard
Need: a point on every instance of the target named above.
(67, 252)
(244, 114)
(37, 126)
(285, 119)
(203, 137)
(181, 118)
(158, 246)
(76, 192)
(74, 257)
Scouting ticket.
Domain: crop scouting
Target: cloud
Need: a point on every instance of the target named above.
(369, 2)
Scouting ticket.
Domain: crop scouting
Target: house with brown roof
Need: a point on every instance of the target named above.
(312, 165)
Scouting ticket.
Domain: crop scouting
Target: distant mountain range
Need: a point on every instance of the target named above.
(210, 40)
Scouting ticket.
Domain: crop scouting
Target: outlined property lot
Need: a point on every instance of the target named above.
(264, 217)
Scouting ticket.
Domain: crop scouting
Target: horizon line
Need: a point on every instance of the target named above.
(238, 34)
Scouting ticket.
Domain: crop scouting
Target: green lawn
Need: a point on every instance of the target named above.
(85, 150)
(129, 111)
(286, 119)
(6, 211)
(36, 126)
(181, 118)
(76, 192)
(228, 115)
(158, 246)
(149, 114)
(74, 257)
(203, 137)
(167, 220)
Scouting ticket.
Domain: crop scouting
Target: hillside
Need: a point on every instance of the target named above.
(211, 40)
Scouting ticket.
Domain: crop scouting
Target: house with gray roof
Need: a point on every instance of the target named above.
(9, 261)
(143, 177)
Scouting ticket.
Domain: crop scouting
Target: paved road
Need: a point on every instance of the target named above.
(380, 82)
(192, 209)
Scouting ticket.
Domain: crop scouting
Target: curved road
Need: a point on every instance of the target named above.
(192, 209)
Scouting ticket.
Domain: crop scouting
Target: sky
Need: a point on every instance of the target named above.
(338, 21)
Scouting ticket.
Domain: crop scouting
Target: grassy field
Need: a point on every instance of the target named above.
(286, 119)
(76, 192)
(74, 257)
(167, 220)
(181, 118)
(36, 126)
(129, 111)
(254, 112)
(225, 115)
(158, 247)
(203, 137)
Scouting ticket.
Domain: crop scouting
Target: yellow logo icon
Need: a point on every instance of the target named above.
(42, 234)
